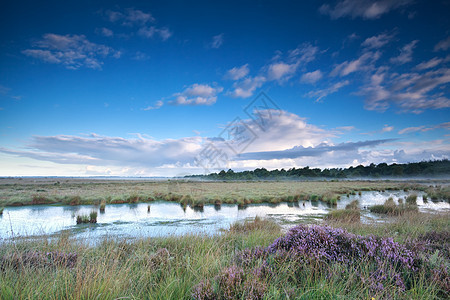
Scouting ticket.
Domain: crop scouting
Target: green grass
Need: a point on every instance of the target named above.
(351, 213)
(390, 208)
(91, 218)
(81, 192)
(170, 267)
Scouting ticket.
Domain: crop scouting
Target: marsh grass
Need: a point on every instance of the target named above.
(351, 213)
(91, 218)
(390, 208)
(79, 192)
(102, 206)
(180, 267)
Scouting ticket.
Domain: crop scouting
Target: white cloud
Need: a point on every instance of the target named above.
(157, 105)
(366, 9)
(429, 64)
(237, 73)
(322, 93)
(387, 128)
(284, 70)
(217, 41)
(303, 54)
(443, 45)
(364, 62)
(246, 87)
(377, 41)
(411, 92)
(72, 51)
(197, 94)
(281, 70)
(311, 77)
(137, 18)
(405, 53)
(287, 141)
(424, 128)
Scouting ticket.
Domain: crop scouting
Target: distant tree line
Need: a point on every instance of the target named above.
(424, 168)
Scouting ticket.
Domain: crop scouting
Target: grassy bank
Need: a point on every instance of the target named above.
(245, 262)
(195, 194)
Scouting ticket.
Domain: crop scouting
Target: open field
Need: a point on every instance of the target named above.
(243, 263)
(195, 193)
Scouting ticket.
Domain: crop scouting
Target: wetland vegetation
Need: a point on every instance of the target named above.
(329, 257)
(407, 258)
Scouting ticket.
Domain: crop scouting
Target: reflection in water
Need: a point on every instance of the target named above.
(164, 218)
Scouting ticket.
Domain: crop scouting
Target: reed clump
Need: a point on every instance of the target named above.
(390, 208)
(90, 218)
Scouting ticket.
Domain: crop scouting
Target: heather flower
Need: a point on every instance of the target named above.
(203, 291)
(231, 282)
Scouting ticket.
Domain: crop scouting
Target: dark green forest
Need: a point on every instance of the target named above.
(434, 168)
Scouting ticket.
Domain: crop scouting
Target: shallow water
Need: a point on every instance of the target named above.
(167, 218)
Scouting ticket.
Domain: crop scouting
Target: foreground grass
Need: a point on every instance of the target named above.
(193, 193)
(211, 267)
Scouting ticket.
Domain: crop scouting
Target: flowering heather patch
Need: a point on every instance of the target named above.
(335, 244)
(309, 254)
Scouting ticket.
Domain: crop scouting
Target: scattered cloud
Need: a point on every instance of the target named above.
(377, 41)
(130, 17)
(5, 91)
(157, 105)
(140, 56)
(71, 51)
(387, 128)
(311, 77)
(429, 64)
(425, 128)
(197, 94)
(405, 53)
(364, 62)
(217, 41)
(411, 92)
(237, 73)
(281, 70)
(149, 32)
(366, 9)
(104, 32)
(443, 45)
(322, 93)
(246, 87)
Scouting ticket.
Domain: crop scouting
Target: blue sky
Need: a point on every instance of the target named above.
(173, 87)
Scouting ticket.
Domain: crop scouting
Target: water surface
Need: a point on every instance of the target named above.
(168, 218)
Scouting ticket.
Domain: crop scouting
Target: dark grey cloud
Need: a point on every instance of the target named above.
(319, 150)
